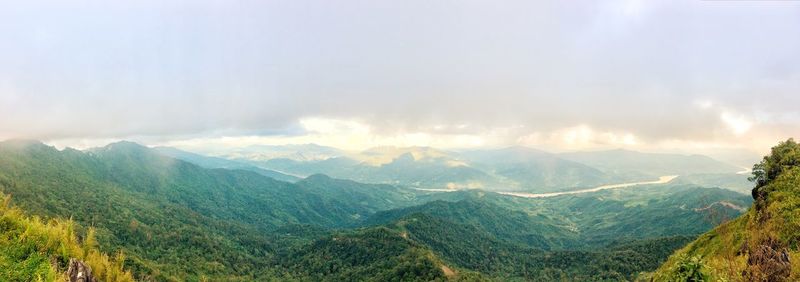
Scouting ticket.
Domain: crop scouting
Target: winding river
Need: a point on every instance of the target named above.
(661, 180)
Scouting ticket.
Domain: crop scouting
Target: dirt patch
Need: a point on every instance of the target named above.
(447, 271)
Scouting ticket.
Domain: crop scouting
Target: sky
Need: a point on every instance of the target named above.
(556, 75)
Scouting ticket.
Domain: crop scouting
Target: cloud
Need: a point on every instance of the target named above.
(580, 137)
(345, 134)
(633, 73)
(704, 104)
(738, 124)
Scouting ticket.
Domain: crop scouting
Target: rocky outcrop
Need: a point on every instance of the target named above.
(79, 272)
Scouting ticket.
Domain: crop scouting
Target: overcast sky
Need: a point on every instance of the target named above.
(558, 75)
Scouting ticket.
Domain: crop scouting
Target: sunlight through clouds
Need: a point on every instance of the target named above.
(738, 124)
(598, 74)
(344, 134)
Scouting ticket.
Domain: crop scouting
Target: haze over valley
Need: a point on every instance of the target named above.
(399, 141)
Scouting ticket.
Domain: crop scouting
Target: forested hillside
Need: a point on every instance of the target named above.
(35, 249)
(539, 232)
(762, 244)
(504, 261)
(173, 219)
(597, 219)
(177, 221)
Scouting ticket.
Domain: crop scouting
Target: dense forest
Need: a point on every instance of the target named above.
(177, 221)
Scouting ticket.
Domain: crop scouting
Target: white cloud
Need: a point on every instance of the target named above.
(420, 74)
(704, 104)
(738, 124)
(633, 8)
(334, 126)
(344, 134)
(580, 137)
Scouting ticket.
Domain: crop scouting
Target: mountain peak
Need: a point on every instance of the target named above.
(22, 142)
(25, 144)
(122, 147)
(125, 144)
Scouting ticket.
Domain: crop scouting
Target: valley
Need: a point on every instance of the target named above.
(236, 222)
(661, 180)
(399, 141)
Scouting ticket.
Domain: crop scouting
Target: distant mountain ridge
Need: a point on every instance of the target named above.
(509, 169)
(215, 162)
(650, 164)
(297, 152)
(425, 167)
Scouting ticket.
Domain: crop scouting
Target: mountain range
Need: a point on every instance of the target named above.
(519, 169)
(175, 220)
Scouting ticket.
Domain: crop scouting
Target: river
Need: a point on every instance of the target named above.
(661, 180)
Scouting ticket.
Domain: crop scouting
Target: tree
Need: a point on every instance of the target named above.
(781, 158)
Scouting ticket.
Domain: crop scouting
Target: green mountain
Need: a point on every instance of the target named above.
(510, 225)
(374, 254)
(369, 197)
(464, 247)
(602, 217)
(214, 162)
(172, 218)
(177, 221)
(637, 166)
(648, 165)
(732, 181)
(511, 169)
(760, 245)
(403, 170)
(536, 171)
(336, 166)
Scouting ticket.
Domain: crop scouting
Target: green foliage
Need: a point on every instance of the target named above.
(176, 221)
(761, 245)
(783, 156)
(33, 250)
(594, 219)
(690, 269)
(471, 248)
(377, 253)
(511, 225)
(370, 198)
(173, 219)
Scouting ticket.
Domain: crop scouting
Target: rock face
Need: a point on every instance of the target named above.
(79, 272)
